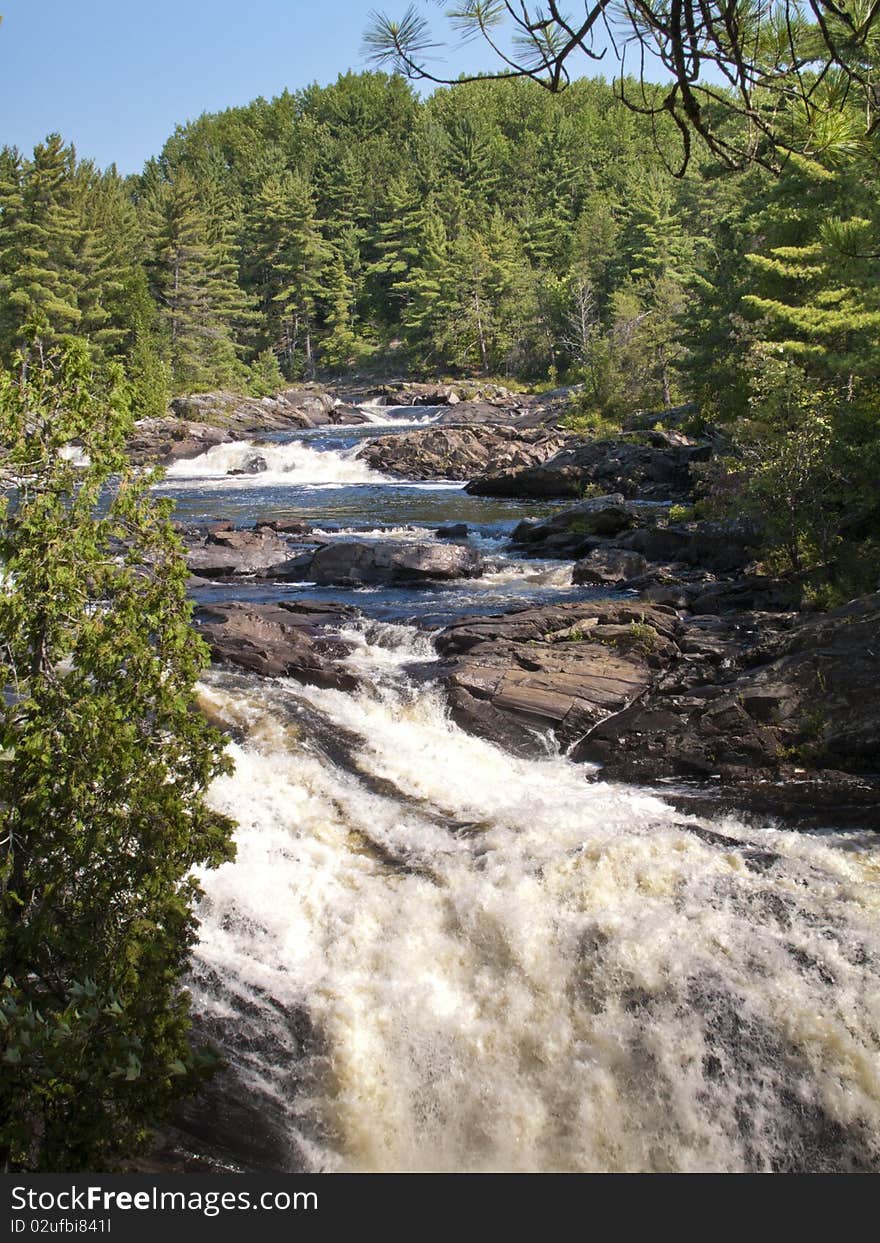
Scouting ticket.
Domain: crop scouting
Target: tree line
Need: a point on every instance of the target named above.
(492, 228)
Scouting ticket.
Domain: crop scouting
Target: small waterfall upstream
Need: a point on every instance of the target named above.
(431, 955)
(288, 463)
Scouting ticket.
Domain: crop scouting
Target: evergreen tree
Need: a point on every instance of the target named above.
(104, 768)
(194, 287)
(39, 236)
(340, 341)
(289, 257)
(817, 278)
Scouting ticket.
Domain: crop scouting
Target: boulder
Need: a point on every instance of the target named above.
(600, 515)
(718, 546)
(457, 452)
(287, 639)
(636, 471)
(456, 530)
(350, 563)
(253, 466)
(608, 565)
(164, 441)
(259, 552)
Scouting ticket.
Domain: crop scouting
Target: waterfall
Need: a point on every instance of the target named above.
(286, 463)
(432, 955)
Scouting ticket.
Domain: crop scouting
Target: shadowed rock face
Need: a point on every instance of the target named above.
(636, 471)
(616, 541)
(459, 452)
(782, 708)
(289, 640)
(392, 561)
(260, 552)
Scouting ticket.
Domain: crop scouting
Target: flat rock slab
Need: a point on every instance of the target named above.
(280, 640)
(564, 668)
(234, 553)
(459, 452)
(349, 563)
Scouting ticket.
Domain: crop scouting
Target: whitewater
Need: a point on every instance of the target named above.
(432, 955)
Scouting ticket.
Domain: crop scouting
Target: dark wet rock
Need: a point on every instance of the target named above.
(253, 466)
(261, 551)
(349, 563)
(458, 452)
(290, 640)
(457, 530)
(777, 710)
(608, 565)
(636, 471)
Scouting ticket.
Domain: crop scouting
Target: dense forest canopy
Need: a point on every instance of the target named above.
(780, 67)
(492, 228)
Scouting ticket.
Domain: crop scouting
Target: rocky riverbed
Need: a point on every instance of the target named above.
(697, 668)
(516, 766)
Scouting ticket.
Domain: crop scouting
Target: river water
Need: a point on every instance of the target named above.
(431, 955)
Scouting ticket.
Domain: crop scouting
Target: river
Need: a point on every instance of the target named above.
(432, 955)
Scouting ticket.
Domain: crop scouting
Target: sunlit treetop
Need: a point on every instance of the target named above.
(751, 78)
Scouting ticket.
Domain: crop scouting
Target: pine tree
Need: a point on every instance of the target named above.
(484, 305)
(340, 341)
(39, 236)
(398, 244)
(817, 278)
(193, 284)
(289, 257)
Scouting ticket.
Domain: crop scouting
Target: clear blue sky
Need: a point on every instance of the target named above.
(115, 76)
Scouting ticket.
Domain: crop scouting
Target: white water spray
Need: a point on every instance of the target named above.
(289, 463)
(498, 965)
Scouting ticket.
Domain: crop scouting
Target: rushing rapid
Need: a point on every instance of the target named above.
(432, 955)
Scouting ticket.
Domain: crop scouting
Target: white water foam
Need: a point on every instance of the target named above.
(290, 463)
(505, 967)
(401, 416)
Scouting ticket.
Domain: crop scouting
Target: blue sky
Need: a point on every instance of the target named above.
(115, 76)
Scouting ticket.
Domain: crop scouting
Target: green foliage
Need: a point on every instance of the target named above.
(582, 417)
(794, 448)
(266, 378)
(105, 765)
